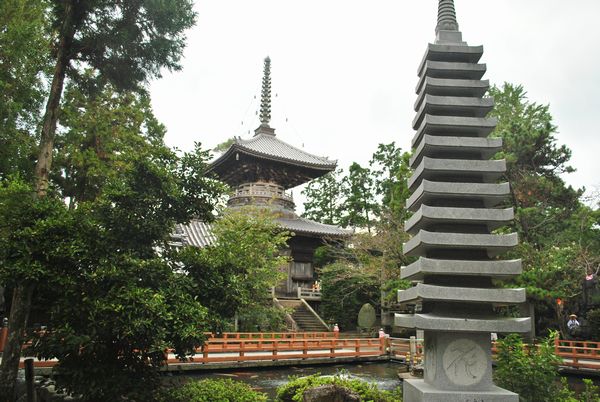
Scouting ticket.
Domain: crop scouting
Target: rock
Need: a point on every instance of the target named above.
(330, 393)
(367, 316)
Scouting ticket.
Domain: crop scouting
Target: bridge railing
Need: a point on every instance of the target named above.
(407, 350)
(237, 350)
(271, 335)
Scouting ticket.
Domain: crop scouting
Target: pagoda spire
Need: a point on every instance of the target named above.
(265, 101)
(446, 16)
(447, 25)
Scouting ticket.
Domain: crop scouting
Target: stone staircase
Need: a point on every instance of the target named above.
(305, 319)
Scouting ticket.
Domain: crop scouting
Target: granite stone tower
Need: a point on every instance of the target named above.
(456, 191)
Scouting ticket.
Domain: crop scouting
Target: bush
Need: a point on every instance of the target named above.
(532, 373)
(293, 391)
(593, 319)
(213, 391)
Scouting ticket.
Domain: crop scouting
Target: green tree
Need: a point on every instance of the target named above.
(100, 134)
(391, 170)
(324, 198)
(121, 300)
(360, 206)
(238, 270)
(535, 162)
(346, 286)
(124, 43)
(24, 40)
(557, 232)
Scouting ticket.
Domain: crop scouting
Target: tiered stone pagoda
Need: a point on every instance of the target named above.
(455, 196)
(260, 170)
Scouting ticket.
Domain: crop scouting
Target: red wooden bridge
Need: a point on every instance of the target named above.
(232, 349)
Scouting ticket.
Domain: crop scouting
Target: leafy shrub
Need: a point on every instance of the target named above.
(208, 390)
(532, 373)
(293, 391)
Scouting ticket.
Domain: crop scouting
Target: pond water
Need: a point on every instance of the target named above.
(266, 380)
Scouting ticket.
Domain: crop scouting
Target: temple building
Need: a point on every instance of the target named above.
(261, 171)
(455, 195)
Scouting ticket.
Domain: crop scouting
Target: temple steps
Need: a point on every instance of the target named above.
(498, 269)
(462, 324)
(426, 292)
(488, 194)
(493, 244)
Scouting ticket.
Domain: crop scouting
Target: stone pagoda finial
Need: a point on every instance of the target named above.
(446, 29)
(265, 101)
(446, 16)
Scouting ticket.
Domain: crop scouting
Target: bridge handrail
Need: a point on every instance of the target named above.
(271, 335)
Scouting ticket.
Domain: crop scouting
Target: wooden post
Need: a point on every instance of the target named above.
(305, 349)
(3, 336)
(29, 379)
(413, 351)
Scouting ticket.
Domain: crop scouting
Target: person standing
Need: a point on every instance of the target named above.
(572, 323)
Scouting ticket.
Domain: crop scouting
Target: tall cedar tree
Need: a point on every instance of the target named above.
(126, 44)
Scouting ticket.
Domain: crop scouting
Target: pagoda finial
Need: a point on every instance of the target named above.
(446, 16)
(265, 95)
(446, 30)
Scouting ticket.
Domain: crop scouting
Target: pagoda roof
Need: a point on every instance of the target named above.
(199, 234)
(264, 148)
(268, 146)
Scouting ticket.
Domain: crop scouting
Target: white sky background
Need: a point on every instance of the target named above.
(344, 71)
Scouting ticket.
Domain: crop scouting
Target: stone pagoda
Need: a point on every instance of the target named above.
(455, 194)
(260, 171)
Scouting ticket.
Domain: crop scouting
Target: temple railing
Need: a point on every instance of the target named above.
(309, 294)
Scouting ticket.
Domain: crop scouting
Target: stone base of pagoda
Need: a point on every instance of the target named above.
(457, 367)
(420, 391)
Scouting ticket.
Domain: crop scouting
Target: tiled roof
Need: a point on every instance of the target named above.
(302, 225)
(270, 147)
(195, 233)
(199, 234)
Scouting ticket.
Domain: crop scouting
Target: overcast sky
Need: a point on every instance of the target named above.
(344, 71)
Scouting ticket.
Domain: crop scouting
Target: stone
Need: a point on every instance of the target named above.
(429, 266)
(427, 292)
(330, 393)
(455, 194)
(367, 316)
(487, 171)
(487, 194)
(431, 145)
(491, 244)
(427, 216)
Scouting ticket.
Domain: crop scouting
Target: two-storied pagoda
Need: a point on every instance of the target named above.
(260, 170)
(455, 194)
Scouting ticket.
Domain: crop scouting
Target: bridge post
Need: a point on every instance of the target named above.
(3, 336)
(413, 351)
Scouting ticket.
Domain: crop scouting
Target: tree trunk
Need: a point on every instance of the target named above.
(21, 305)
(44, 162)
(17, 323)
